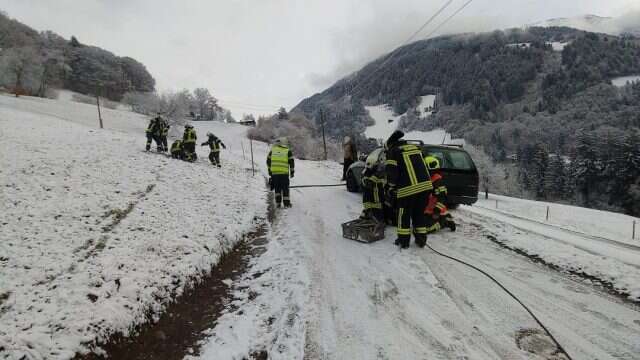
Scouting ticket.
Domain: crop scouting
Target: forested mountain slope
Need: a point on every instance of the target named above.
(538, 98)
(32, 62)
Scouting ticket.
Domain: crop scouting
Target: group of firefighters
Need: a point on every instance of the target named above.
(185, 148)
(413, 194)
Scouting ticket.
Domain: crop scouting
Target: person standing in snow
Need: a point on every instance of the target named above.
(281, 166)
(189, 143)
(436, 210)
(409, 184)
(163, 131)
(214, 145)
(150, 132)
(350, 155)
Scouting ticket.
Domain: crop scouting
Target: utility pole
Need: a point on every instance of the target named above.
(324, 141)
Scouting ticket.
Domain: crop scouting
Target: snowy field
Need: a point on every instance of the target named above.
(382, 114)
(624, 80)
(598, 243)
(385, 122)
(97, 235)
(558, 46)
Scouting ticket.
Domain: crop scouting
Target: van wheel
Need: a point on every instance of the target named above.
(352, 185)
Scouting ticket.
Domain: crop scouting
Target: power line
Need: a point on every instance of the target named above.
(449, 18)
(446, 5)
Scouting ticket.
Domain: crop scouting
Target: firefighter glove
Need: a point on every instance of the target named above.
(292, 173)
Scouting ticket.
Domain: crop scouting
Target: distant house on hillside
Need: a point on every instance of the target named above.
(247, 122)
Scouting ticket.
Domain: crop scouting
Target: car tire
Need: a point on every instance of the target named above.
(352, 185)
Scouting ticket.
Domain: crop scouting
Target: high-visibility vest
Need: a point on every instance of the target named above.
(189, 136)
(214, 145)
(176, 146)
(279, 160)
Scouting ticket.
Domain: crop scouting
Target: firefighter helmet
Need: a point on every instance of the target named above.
(432, 162)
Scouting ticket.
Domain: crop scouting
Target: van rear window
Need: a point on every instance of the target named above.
(452, 159)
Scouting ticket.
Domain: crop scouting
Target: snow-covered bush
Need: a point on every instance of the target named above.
(498, 178)
(304, 139)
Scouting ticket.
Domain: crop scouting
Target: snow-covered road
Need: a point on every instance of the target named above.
(324, 297)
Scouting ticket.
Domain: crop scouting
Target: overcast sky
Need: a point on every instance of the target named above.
(255, 55)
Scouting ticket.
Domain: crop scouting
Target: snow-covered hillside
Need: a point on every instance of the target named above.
(386, 123)
(97, 234)
(627, 23)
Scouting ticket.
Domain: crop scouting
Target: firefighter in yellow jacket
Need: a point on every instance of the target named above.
(409, 184)
(189, 143)
(214, 146)
(281, 166)
(372, 192)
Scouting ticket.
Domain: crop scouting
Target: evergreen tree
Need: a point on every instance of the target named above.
(555, 177)
(584, 169)
(539, 164)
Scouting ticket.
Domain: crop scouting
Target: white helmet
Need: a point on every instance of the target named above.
(209, 134)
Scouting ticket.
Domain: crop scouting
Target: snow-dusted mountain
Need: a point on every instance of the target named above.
(626, 24)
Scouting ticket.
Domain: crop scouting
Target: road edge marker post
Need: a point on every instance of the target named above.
(253, 169)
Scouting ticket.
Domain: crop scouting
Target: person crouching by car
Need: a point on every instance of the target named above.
(350, 155)
(373, 193)
(436, 211)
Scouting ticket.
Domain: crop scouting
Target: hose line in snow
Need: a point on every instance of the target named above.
(510, 294)
(314, 186)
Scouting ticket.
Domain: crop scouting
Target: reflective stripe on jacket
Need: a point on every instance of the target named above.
(189, 136)
(407, 171)
(373, 193)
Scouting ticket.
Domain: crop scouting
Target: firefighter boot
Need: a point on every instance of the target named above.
(402, 243)
(421, 240)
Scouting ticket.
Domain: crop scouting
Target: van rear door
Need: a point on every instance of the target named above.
(460, 174)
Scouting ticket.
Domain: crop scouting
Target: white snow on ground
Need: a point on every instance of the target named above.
(383, 127)
(558, 46)
(624, 80)
(96, 233)
(425, 102)
(597, 243)
(320, 295)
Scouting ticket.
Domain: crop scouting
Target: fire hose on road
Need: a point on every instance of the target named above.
(315, 186)
(560, 348)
